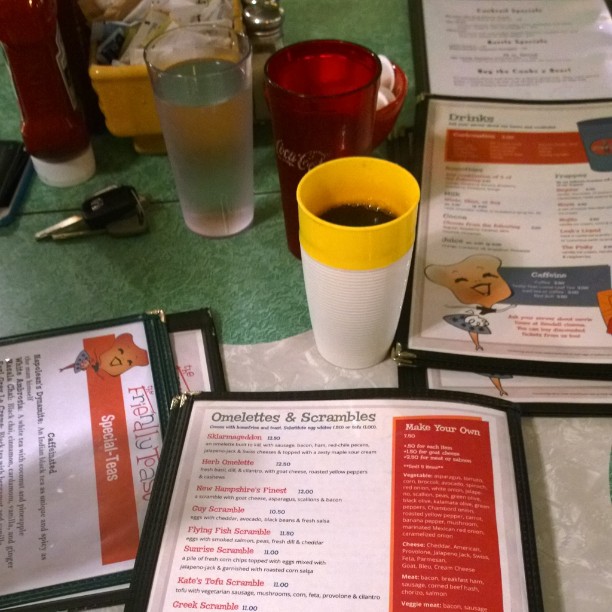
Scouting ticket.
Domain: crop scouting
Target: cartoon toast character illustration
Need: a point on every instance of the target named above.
(119, 357)
(496, 379)
(474, 281)
(604, 298)
(122, 356)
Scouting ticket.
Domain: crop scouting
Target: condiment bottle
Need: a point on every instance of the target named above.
(53, 126)
(263, 20)
(76, 36)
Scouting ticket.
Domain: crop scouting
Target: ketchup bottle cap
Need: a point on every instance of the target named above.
(66, 172)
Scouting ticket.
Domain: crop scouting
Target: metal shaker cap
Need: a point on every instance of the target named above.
(262, 17)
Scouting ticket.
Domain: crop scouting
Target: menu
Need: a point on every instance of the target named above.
(527, 50)
(196, 351)
(516, 388)
(514, 237)
(80, 437)
(82, 413)
(346, 505)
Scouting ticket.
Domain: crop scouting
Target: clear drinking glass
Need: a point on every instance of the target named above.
(201, 78)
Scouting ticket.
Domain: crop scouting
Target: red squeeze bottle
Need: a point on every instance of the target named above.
(53, 125)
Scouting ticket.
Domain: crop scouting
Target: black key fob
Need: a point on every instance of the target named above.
(110, 204)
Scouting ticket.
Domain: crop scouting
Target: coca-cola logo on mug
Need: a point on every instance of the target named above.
(301, 161)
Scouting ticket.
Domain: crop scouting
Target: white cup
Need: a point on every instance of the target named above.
(356, 277)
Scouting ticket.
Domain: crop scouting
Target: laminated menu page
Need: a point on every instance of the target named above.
(512, 265)
(350, 503)
(571, 396)
(196, 350)
(504, 49)
(536, 395)
(83, 411)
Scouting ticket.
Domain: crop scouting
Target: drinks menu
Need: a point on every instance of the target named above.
(512, 259)
(343, 504)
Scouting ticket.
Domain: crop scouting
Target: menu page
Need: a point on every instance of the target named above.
(80, 440)
(189, 352)
(525, 50)
(344, 505)
(514, 238)
(516, 388)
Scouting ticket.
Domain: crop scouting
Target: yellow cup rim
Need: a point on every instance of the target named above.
(360, 248)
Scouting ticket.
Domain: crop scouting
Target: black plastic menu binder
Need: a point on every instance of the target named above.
(264, 499)
(512, 263)
(541, 52)
(536, 396)
(199, 327)
(83, 413)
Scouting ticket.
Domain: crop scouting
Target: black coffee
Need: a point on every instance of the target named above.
(357, 215)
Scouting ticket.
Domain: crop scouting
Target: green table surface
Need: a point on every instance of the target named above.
(251, 282)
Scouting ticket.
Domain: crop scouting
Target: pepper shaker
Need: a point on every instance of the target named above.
(263, 20)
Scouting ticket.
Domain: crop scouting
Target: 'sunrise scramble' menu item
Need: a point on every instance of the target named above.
(343, 504)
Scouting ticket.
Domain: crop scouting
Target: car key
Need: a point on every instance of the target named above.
(98, 211)
(131, 225)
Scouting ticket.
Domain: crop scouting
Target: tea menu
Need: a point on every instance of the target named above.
(80, 441)
(82, 415)
(292, 504)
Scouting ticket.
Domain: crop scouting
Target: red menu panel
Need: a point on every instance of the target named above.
(514, 147)
(445, 548)
(119, 532)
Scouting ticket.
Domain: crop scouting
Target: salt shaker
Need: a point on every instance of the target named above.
(263, 20)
